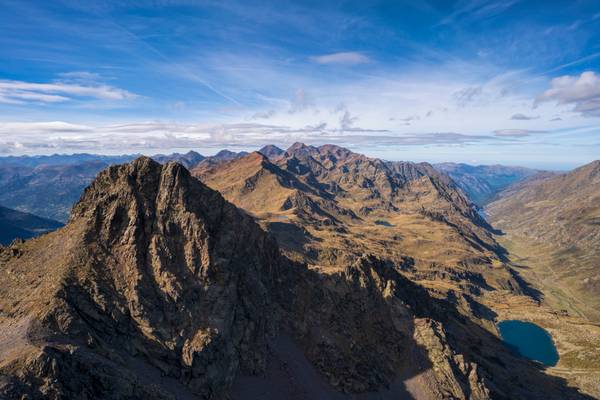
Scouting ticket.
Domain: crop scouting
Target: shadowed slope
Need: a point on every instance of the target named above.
(15, 224)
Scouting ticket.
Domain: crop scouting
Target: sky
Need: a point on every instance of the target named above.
(514, 82)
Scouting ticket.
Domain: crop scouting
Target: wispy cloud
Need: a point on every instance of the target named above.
(348, 58)
(474, 10)
(300, 102)
(19, 92)
(468, 95)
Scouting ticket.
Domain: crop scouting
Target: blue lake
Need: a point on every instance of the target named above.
(529, 340)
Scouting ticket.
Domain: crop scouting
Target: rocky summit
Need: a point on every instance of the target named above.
(159, 288)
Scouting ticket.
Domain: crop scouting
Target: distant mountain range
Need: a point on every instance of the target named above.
(63, 159)
(48, 186)
(15, 224)
(188, 160)
(483, 182)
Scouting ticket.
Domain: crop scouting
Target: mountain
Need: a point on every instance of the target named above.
(270, 151)
(188, 160)
(15, 224)
(552, 221)
(482, 183)
(225, 155)
(158, 288)
(313, 197)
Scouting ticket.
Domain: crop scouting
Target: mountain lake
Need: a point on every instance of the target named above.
(529, 340)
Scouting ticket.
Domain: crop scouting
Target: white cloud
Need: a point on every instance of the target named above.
(300, 102)
(347, 121)
(20, 92)
(523, 117)
(515, 132)
(583, 91)
(263, 114)
(349, 57)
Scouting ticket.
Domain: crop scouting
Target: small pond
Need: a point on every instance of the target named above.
(529, 340)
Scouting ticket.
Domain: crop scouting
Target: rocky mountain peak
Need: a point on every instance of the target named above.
(271, 151)
(157, 266)
(337, 151)
(188, 160)
(300, 149)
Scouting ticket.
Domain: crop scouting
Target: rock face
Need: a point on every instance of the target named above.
(158, 288)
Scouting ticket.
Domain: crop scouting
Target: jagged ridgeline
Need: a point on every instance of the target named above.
(158, 288)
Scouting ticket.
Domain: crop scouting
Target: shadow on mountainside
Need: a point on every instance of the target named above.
(351, 326)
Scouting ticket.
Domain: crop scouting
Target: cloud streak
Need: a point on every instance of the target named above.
(20, 92)
(516, 132)
(347, 58)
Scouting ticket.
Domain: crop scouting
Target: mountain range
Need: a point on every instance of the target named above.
(159, 288)
(48, 186)
(482, 183)
(310, 272)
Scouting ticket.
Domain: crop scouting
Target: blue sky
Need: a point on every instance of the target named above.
(477, 81)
